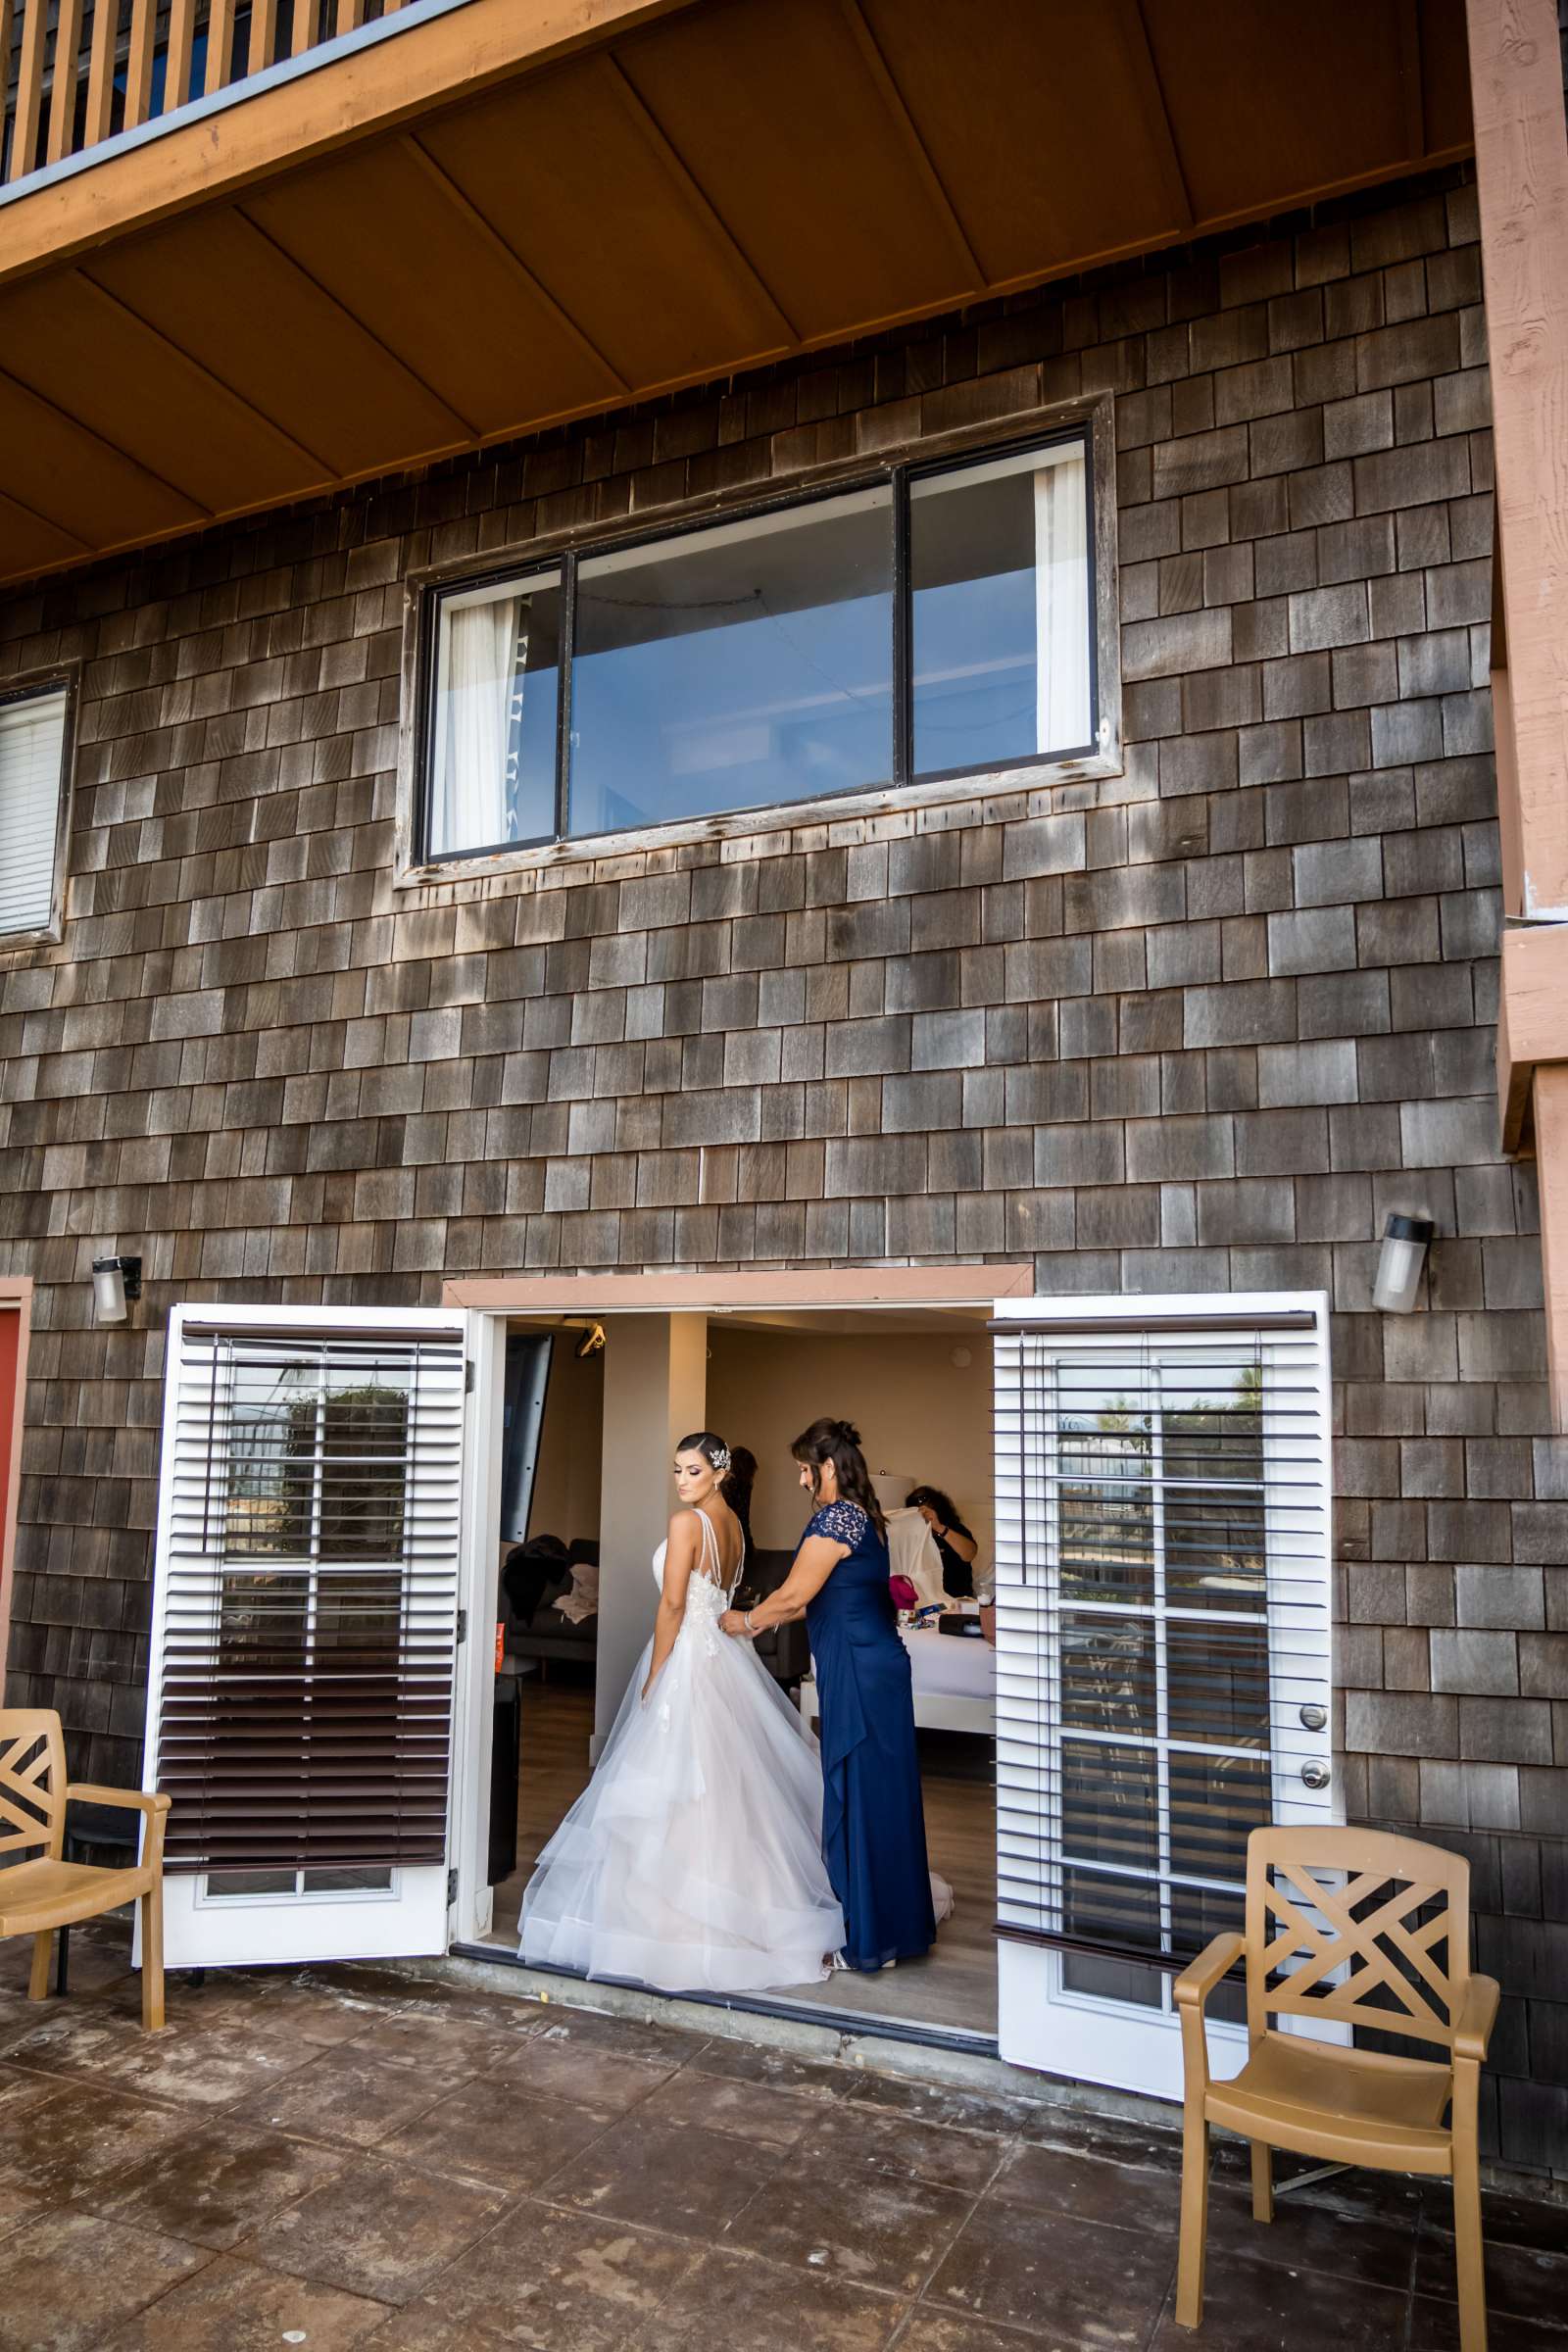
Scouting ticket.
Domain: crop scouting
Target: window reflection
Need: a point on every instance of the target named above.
(735, 667)
(999, 578)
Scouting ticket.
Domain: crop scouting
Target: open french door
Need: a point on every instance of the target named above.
(306, 1622)
(1163, 1671)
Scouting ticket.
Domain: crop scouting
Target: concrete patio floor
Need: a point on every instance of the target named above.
(347, 2157)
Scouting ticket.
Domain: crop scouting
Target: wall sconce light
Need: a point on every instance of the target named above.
(592, 1340)
(1405, 1243)
(114, 1280)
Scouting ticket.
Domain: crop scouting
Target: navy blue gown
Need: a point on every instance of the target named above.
(873, 1822)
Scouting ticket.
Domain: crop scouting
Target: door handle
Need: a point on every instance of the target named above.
(1315, 1773)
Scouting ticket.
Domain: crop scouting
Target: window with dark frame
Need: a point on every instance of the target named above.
(934, 622)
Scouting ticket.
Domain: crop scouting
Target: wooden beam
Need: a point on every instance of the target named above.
(1522, 175)
(640, 116)
(430, 63)
(1413, 92)
(464, 205)
(1126, 19)
(914, 145)
(1532, 1017)
(1550, 1092)
(224, 391)
(468, 429)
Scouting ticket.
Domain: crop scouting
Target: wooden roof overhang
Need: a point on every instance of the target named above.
(511, 213)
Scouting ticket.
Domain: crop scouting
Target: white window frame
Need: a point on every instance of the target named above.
(1038, 777)
(64, 679)
(411, 1917)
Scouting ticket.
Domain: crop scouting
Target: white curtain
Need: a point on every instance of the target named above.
(1062, 604)
(480, 698)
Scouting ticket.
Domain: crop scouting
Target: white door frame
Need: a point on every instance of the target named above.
(479, 1584)
(488, 1304)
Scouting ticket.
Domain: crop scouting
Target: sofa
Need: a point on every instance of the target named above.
(536, 1573)
(534, 1631)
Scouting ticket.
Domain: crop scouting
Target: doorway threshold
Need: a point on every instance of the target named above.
(862, 2024)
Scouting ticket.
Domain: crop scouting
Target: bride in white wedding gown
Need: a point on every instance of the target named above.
(693, 1859)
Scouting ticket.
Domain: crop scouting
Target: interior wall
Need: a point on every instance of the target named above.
(565, 1491)
(917, 1411)
(656, 1369)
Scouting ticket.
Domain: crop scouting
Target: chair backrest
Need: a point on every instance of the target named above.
(1357, 1927)
(32, 1781)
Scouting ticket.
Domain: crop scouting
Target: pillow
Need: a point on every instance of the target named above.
(581, 1601)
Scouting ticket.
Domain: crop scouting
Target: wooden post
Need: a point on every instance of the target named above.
(1522, 175)
(176, 68)
(30, 88)
(264, 36)
(63, 95)
(220, 44)
(101, 71)
(139, 62)
(1522, 182)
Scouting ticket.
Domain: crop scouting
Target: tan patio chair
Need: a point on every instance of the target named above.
(1344, 1928)
(38, 1897)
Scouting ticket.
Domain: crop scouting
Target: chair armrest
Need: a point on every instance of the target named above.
(1198, 1980)
(152, 1809)
(1472, 2027)
(87, 1792)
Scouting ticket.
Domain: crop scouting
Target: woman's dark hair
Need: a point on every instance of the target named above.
(946, 1510)
(838, 1442)
(736, 1487)
(714, 1450)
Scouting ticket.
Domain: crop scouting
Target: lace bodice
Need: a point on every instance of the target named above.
(707, 1599)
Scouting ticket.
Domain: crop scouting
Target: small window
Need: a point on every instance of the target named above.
(936, 622)
(32, 749)
(497, 713)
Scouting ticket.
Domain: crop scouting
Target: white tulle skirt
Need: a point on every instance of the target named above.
(693, 1859)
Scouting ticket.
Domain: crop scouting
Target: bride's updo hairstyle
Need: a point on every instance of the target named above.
(838, 1442)
(714, 1450)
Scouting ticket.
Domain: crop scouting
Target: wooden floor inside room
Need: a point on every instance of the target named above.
(954, 1989)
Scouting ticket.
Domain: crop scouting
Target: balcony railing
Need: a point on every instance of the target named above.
(78, 73)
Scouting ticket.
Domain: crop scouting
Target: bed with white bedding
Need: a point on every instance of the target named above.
(955, 1681)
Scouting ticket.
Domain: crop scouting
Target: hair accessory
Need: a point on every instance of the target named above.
(719, 1458)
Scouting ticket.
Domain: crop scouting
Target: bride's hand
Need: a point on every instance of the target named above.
(733, 1621)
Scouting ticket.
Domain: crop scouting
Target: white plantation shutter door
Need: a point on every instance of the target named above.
(305, 1621)
(1163, 1635)
(32, 746)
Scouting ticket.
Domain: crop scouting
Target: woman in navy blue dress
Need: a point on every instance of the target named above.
(873, 1821)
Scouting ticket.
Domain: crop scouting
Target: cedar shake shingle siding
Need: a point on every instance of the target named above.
(1199, 1029)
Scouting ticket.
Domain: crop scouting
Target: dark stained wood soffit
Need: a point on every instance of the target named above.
(725, 184)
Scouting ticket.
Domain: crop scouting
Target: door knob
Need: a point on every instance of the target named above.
(1315, 1773)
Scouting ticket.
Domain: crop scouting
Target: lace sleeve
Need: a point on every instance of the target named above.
(839, 1522)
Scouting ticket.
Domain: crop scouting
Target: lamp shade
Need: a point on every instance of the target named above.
(1405, 1243)
(108, 1290)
